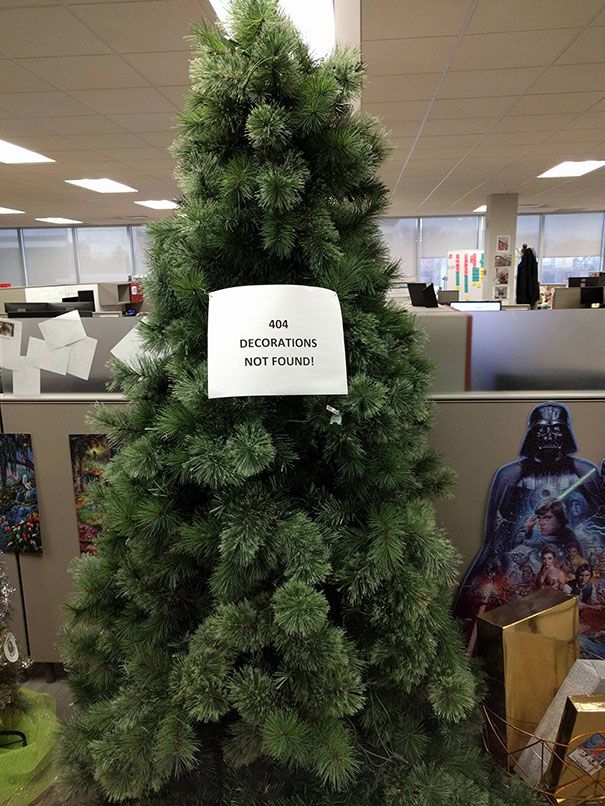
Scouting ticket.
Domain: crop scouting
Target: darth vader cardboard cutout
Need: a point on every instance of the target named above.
(545, 527)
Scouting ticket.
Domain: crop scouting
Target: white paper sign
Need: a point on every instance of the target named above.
(81, 354)
(130, 349)
(275, 340)
(10, 342)
(26, 380)
(40, 355)
(63, 330)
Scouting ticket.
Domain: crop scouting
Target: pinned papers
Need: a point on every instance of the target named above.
(63, 330)
(40, 355)
(65, 349)
(81, 354)
(26, 381)
(130, 349)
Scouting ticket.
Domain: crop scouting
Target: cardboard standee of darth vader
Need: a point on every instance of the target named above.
(545, 527)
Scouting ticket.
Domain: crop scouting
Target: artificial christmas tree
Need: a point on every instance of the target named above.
(267, 620)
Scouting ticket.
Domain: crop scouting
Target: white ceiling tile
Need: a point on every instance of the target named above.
(572, 78)
(551, 103)
(405, 110)
(390, 19)
(533, 123)
(416, 55)
(47, 31)
(120, 101)
(85, 72)
(506, 138)
(471, 125)
(482, 83)
(125, 154)
(42, 104)
(577, 136)
(170, 68)
(589, 120)
(109, 140)
(159, 122)
(401, 128)
(19, 127)
(415, 87)
(141, 27)
(511, 49)
(521, 15)
(467, 107)
(588, 47)
(14, 78)
(159, 139)
(175, 94)
(79, 124)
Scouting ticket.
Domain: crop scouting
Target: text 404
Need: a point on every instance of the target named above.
(279, 323)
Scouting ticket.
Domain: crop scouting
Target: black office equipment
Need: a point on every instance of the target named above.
(44, 310)
(590, 296)
(422, 295)
(576, 282)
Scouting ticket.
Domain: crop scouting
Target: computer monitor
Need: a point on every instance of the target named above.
(447, 297)
(422, 295)
(591, 296)
(477, 305)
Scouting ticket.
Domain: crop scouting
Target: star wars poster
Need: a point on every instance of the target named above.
(545, 527)
(19, 519)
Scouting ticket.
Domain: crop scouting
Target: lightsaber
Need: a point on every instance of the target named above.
(576, 485)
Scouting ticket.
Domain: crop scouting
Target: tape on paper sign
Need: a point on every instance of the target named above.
(275, 340)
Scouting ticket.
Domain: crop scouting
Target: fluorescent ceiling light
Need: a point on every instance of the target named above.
(572, 168)
(313, 18)
(158, 204)
(8, 211)
(12, 154)
(59, 220)
(481, 209)
(102, 185)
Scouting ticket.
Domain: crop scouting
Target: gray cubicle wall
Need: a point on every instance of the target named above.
(107, 330)
(531, 350)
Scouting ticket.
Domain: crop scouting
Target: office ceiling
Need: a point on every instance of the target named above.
(480, 96)
(95, 86)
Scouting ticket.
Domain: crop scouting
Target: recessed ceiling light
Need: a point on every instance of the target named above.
(572, 168)
(8, 211)
(313, 18)
(59, 220)
(102, 185)
(12, 154)
(158, 204)
(481, 209)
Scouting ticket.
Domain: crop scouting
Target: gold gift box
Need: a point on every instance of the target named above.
(577, 769)
(528, 647)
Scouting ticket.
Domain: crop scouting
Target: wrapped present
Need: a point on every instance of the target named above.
(577, 768)
(586, 677)
(528, 647)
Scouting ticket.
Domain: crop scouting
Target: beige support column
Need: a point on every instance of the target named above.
(500, 254)
(347, 22)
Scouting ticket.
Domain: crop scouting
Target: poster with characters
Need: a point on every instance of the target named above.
(545, 527)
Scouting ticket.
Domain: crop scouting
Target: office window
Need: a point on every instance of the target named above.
(50, 256)
(401, 236)
(528, 231)
(440, 235)
(104, 254)
(572, 246)
(141, 241)
(11, 267)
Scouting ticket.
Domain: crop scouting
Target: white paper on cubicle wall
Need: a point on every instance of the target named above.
(64, 349)
(275, 340)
